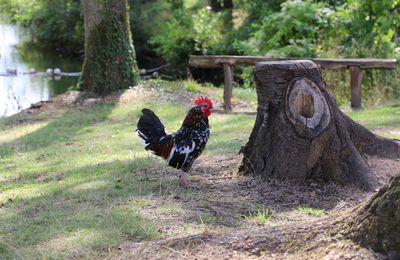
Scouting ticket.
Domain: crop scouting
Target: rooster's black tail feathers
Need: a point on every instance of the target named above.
(149, 128)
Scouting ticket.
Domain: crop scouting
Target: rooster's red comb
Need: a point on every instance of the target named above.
(203, 100)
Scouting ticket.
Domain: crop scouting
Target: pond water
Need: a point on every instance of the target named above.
(18, 89)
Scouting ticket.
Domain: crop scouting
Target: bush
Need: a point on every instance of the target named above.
(293, 31)
(185, 34)
(145, 19)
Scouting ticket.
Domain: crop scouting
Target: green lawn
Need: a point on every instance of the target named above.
(74, 185)
(384, 121)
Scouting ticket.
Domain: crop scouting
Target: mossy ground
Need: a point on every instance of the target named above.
(78, 184)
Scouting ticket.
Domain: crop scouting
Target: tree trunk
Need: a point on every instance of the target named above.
(110, 61)
(301, 133)
(376, 224)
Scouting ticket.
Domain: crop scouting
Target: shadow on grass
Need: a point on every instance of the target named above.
(86, 208)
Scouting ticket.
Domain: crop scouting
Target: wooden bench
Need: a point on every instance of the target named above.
(355, 67)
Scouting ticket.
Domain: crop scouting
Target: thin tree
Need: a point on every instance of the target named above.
(110, 60)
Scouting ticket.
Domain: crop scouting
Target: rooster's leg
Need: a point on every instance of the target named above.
(183, 180)
(162, 178)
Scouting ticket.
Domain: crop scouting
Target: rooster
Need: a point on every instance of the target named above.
(181, 148)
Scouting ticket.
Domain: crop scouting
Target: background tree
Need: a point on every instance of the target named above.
(110, 60)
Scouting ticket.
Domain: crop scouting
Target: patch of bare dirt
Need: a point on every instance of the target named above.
(140, 93)
(151, 90)
(220, 192)
(299, 241)
(384, 168)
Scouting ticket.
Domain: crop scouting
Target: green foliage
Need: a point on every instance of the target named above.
(174, 42)
(57, 23)
(5, 251)
(247, 77)
(258, 9)
(366, 29)
(145, 19)
(207, 31)
(184, 34)
(293, 31)
(332, 29)
(370, 27)
(192, 86)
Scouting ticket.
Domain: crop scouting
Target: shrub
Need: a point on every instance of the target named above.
(293, 31)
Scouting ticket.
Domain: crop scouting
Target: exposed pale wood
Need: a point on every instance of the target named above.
(331, 64)
(228, 87)
(305, 105)
(355, 83)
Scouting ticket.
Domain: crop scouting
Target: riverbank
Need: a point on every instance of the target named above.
(23, 80)
(76, 183)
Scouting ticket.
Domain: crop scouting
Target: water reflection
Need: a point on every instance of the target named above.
(19, 91)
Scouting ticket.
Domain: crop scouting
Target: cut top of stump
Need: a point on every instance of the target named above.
(286, 65)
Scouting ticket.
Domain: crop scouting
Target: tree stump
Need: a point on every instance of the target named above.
(301, 133)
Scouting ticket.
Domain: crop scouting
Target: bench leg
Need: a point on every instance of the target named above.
(228, 87)
(355, 82)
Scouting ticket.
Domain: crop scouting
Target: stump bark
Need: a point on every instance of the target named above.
(376, 224)
(301, 133)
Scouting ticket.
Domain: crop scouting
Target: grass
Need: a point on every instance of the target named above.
(73, 185)
(207, 219)
(312, 211)
(261, 217)
(385, 121)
